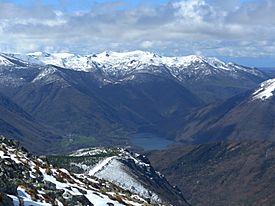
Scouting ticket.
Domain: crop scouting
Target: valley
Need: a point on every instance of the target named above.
(220, 173)
(145, 129)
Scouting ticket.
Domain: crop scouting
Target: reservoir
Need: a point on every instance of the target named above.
(149, 141)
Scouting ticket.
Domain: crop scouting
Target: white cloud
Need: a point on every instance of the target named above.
(147, 44)
(213, 27)
(192, 10)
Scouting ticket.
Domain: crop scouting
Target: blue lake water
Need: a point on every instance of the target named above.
(149, 141)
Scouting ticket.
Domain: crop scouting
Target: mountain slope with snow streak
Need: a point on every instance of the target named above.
(131, 171)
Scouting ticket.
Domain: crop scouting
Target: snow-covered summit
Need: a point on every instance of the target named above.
(265, 91)
(151, 59)
(119, 66)
(65, 60)
(128, 59)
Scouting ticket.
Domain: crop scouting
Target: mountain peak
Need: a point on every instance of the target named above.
(194, 57)
(119, 57)
(128, 53)
(265, 91)
(39, 53)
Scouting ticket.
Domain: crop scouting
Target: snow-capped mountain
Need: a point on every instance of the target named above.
(115, 64)
(197, 73)
(122, 64)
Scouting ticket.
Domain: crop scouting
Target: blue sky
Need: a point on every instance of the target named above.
(242, 31)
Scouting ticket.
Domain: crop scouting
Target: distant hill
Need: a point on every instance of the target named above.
(268, 70)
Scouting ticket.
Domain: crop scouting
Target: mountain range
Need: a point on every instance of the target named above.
(197, 73)
(103, 99)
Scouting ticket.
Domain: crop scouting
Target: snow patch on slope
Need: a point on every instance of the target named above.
(26, 198)
(116, 172)
(115, 169)
(98, 167)
(265, 91)
(5, 62)
(50, 74)
(49, 71)
(88, 152)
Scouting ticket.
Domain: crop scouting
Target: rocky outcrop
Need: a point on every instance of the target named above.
(29, 180)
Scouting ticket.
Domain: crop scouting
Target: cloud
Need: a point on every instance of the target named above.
(194, 10)
(147, 44)
(209, 27)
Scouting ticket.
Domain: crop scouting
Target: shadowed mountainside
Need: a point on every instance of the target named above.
(223, 173)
